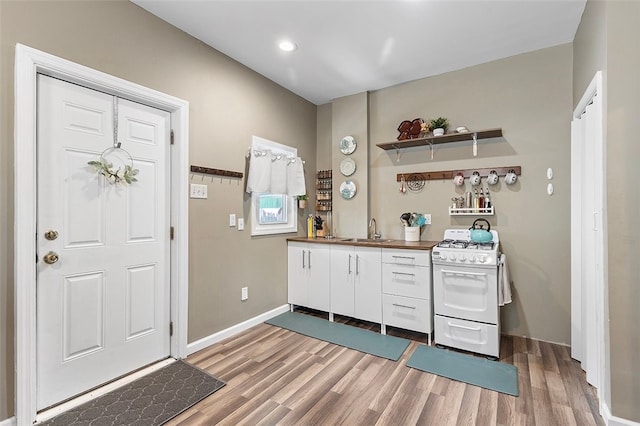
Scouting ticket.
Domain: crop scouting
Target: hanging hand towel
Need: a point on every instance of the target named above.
(504, 282)
(278, 174)
(259, 175)
(295, 178)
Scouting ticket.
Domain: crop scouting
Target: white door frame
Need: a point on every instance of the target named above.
(593, 94)
(29, 62)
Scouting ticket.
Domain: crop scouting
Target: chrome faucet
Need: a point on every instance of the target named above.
(374, 234)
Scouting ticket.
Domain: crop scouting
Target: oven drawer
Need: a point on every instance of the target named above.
(408, 313)
(467, 335)
(407, 257)
(406, 280)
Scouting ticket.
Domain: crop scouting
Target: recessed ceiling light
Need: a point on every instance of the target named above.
(287, 46)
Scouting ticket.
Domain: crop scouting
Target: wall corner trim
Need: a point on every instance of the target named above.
(233, 330)
(609, 419)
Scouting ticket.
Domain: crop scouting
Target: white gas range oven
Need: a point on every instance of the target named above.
(465, 293)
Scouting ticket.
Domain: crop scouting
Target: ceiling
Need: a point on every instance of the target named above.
(348, 47)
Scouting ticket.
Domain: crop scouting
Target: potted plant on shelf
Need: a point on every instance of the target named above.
(439, 126)
(302, 201)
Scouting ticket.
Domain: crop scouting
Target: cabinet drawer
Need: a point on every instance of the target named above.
(407, 257)
(406, 312)
(406, 280)
(468, 335)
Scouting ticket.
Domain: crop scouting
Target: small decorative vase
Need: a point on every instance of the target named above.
(438, 132)
(302, 204)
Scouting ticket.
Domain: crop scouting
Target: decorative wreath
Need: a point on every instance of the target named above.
(122, 171)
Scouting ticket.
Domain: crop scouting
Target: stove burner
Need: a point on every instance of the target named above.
(453, 244)
(480, 246)
(462, 244)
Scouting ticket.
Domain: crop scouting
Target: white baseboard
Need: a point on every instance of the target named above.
(232, 331)
(11, 421)
(611, 420)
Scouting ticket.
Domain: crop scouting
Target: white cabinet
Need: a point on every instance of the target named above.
(356, 283)
(407, 289)
(308, 275)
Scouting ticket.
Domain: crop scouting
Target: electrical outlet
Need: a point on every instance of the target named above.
(198, 191)
(240, 224)
(245, 293)
(427, 218)
(232, 219)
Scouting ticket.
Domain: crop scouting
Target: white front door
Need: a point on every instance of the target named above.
(103, 306)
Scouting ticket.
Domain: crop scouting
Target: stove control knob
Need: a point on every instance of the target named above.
(463, 258)
(472, 258)
(482, 259)
(442, 256)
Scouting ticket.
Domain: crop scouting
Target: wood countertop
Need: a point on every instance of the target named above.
(366, 242)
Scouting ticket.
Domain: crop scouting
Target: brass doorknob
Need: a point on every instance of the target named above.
(51, 234)
(50, 258)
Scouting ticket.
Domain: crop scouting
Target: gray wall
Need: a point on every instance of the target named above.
(606, 40)
(228, 104)
(529, 97)
(349, 118)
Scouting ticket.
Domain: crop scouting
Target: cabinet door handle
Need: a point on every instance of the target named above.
(303, 266)
(403, 273)
(404, 306)
(357, 264)
(309, 254)
(404, 257)
(349, 263)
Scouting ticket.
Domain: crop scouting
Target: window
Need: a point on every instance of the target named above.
(273, 213)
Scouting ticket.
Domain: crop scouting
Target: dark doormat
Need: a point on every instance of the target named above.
(150, 400)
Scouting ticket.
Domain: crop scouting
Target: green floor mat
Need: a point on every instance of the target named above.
(482, 372)
(377, 344)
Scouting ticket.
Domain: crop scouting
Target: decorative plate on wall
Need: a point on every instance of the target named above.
(348, 189)
(347, 145)
(348, 167)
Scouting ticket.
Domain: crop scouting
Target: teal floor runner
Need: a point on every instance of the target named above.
(476, 371)
(366, 341)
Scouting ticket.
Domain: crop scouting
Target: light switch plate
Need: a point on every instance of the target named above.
(198, 191)
(427, 218)
(232, 219)
(240, 224)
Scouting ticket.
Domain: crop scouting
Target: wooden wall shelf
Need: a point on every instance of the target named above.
(449, 174)
(435, 140)
(216, 172)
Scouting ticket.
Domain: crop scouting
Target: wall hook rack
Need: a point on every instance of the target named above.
(216, 172)
(449, 174)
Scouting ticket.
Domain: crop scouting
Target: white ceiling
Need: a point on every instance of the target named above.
(347, 47)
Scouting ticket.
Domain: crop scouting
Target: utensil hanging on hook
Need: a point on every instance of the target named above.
(403, 185)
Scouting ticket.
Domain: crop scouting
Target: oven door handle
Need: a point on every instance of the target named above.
(471, 274)
(464, 327)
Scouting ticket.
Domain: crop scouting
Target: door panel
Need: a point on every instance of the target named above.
(103, 307)
(140, 287)
(83, 315)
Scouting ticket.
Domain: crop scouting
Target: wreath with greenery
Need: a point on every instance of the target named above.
(122, 174)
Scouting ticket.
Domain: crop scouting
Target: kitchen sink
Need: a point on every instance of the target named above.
(366, 240)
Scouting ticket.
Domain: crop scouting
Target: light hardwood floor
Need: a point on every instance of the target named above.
(275, 376)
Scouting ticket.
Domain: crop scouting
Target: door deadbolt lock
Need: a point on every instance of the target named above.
(51, 235)
(50, 258)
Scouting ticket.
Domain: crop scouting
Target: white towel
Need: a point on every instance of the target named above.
(259, 175)
(278, 174)
(504, 282)
(295, 178)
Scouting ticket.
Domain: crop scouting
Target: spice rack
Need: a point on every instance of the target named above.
(461, 211)
(324, 188)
